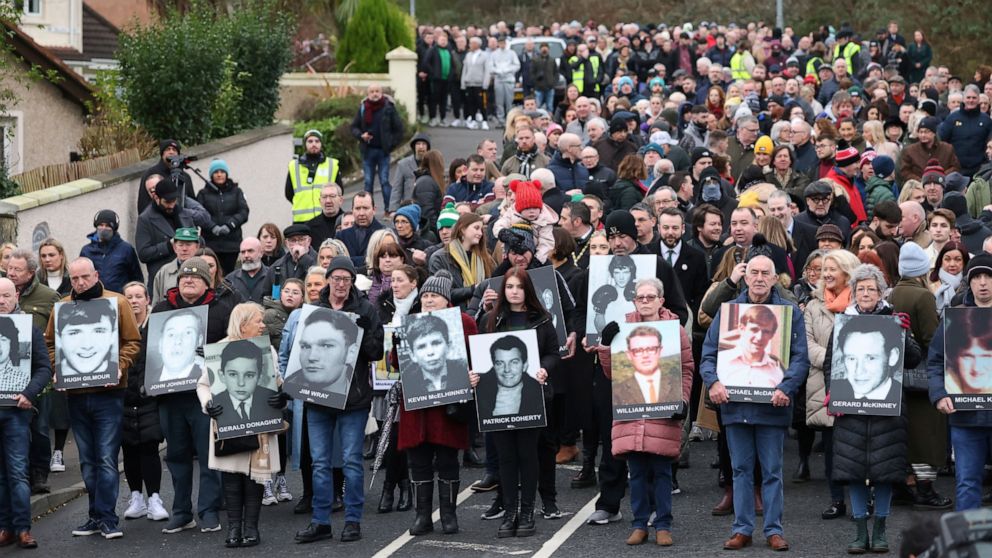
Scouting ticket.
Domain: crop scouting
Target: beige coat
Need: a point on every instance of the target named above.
(260, 464)
(819, 329)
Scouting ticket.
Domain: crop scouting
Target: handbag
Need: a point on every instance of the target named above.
(915, 379)
(234, 446)
(462, 412)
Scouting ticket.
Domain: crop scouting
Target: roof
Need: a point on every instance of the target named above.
(72, 85)
(99, 38)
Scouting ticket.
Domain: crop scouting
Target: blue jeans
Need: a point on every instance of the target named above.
(746, 442)
(377, 161)
(187, 429)
(97, 422)
(648, 470)
(545, 99)
(859, 499)
(971, 445)
(321, 424)
(15, 491)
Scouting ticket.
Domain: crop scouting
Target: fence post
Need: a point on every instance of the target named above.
(403, 79)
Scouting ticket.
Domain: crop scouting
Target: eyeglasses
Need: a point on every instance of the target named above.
(646, 298)
(818, 199)
(340, 280)
(866, 290)
(644, 350)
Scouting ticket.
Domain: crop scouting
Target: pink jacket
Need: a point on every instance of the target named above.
(657, 436)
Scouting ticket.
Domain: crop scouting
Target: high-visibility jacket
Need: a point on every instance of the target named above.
(737, 67)
(579, 74)
(811, 67)
(307, 187)
(851, 49)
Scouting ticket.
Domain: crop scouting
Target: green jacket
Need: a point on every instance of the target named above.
(38, 300)
(876, 191)
(978, 196)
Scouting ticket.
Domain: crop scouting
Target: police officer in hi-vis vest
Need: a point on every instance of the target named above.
(307, 175)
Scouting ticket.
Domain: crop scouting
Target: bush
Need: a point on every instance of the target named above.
(377, 27)
(198, 76)
(338, 141)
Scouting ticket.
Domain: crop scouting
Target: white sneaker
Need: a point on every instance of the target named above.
(282, 489)
(137, 507)
(434, 122)
(156, 510)
(268, 498)
(472, 125)
(57, 465)
(456, 123)
(423, 118)
(602, 517)
(485, 125)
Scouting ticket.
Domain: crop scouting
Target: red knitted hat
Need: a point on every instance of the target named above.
(933, 173)
(528, 194)
(846, 156)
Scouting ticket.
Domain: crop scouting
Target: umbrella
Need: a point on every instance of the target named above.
(393, 397)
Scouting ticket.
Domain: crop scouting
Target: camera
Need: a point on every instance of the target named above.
(963, 534)
(180, 161)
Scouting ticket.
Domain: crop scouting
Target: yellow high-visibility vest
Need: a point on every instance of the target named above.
(306, 189)
(737, 68)
(578, 76)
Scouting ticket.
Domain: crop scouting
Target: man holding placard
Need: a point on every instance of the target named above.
(968, 352)
(96, 414)
(757, 430)
(15, 417)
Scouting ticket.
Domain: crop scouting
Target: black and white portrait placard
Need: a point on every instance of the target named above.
(384, 374)
(754, 350)
(611, 289)
(171, 360)
(322, 360)
(433, 363)
(15, 356)
(866, 370)
(87, 343)
(968, 358)
(546, 285)
(646, 360)
(242, 378)
(508, 395)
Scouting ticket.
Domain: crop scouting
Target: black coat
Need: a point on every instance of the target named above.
(390, 127)
(161, 168)
(322, 228)
(141, 422)
(227, 206)
(543, 72)
(547, 344)
(263, 287)
(427, 193)
(153, 237)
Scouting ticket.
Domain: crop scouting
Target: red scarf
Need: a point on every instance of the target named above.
(371, 107)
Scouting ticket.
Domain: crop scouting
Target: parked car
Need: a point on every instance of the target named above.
(556, 47)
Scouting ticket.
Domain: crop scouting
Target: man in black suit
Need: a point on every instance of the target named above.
(244, 400)
(577, 221)
(507, 389)
(689, 263)
(803, 235)
(648, 384)
(870, 356)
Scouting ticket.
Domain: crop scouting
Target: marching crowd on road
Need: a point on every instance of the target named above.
(833, 175)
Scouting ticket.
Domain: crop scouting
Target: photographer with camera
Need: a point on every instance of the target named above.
(171, 165)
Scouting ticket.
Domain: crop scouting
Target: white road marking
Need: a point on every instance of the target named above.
(406, 537)
(562, 535)
(487, 548)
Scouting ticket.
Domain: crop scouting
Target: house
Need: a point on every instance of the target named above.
(45, 121)
(74, 31)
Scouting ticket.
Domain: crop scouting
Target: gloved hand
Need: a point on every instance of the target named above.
(680, 415)
(224, 230)
(279, 399)
(610, 331)
(214, 410)
(217, 230)
(903, 319)
(363, 322)
(199, 352)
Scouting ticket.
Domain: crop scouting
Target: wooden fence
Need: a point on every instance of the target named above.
(53, 175)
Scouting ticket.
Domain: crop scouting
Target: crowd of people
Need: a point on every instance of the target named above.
(833, 173)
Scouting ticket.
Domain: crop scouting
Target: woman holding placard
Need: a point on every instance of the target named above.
(831, 297)
(650, 446)
(518, 308)
(872, 449)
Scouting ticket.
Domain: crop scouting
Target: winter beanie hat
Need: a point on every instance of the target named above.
(411, 213)
(519, 238)
(913, 261)
(448, 216)
(439, 284)
(933, 173)
(527, 194)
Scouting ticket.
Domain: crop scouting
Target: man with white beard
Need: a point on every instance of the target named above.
(253, 280)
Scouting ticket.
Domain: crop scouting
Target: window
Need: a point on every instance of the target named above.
(10, 143)
(32, 7)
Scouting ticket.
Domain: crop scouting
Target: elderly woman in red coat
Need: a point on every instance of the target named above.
(650, 446)
(431, 437)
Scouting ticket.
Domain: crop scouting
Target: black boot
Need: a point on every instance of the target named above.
(471, 459)
(253, 508)
(235, 500)
(338, 476)
(305, 505)
(586, 477)
(405, 501)
(879, 542)
(386, 500)
(509, 526)
(928, 499)
(525, 521)
(836, 509)
(423, 493)
(802, 470)
(39, 481)
(447, 496)
(860, 544)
